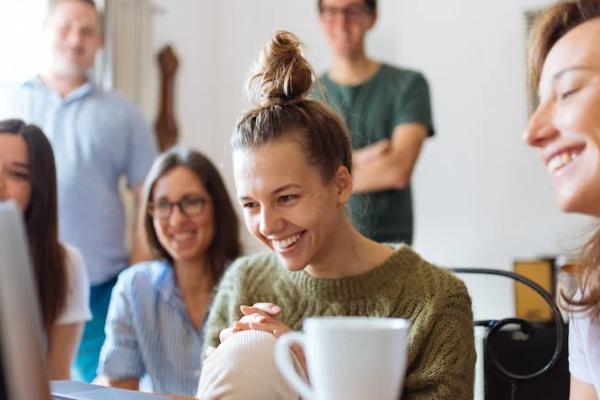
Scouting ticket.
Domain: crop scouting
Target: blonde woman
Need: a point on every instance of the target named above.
(565, 68)
(293, 176)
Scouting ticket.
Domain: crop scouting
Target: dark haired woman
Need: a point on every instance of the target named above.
(157, 310)
(28, 177)
(565, 68)
(388, 113)
(292, 166)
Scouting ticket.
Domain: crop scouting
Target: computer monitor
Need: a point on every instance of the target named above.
(22, 355)
(22, 351)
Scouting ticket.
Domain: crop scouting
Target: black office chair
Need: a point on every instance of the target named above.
(528, 329)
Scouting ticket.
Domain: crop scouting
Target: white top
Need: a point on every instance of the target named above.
(584, 349)
(77, 307)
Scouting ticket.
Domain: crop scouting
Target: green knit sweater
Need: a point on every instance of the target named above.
(441, 355)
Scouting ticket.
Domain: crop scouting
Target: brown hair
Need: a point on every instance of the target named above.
(371, 5)
(549, 27)
(226, 243)
(48, 256)
(281, 85)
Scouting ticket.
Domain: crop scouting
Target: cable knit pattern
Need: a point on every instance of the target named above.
(441, 355)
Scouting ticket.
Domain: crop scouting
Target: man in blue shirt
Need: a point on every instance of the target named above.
(98, 137)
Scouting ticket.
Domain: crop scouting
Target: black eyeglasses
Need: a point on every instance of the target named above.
(352, 12)
(188, 205)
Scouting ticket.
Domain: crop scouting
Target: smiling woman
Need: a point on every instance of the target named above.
(28, 177)
(565, 68)
(293, 175)
(156, 316)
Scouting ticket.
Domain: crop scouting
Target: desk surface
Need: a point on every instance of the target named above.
(72, 390)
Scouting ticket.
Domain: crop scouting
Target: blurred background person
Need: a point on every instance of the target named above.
(98, 137)
(387, 110)
(155, 324)
(28, 177)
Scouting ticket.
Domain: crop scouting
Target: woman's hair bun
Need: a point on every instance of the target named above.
(283, 72)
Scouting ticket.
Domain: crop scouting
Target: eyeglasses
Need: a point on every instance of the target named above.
(188, 206)
(352, 12)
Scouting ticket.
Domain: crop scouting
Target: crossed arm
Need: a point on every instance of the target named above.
(388, 164)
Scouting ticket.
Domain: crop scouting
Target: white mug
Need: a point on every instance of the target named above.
(347, 357)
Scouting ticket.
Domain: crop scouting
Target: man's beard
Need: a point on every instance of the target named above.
(63, 67)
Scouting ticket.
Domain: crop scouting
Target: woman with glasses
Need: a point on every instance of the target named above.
(565, 69)
(388, 113)
(154, 328)
(28, 178)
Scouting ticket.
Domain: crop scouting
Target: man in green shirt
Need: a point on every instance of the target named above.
(388, 113)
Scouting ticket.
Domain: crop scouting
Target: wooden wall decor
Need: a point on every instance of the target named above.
(166, 125)
(532, 97)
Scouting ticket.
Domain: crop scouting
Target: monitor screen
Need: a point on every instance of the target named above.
(22, 358)
(3, 392)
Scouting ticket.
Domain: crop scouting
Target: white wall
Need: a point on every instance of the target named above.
(21, 57)
(482, 197)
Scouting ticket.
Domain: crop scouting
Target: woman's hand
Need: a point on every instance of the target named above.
(262, 317)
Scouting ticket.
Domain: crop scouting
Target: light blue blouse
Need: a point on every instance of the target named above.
(149, 334)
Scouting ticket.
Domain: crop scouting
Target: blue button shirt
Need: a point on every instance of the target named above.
(97, 137)
(149, 333)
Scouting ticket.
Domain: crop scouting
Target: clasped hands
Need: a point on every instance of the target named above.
(262, 317)
(259, 317)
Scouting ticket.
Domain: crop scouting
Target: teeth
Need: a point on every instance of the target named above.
(183, 236)
(287, 242)
(560, 160)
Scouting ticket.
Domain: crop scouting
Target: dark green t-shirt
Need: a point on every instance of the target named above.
(372, 110)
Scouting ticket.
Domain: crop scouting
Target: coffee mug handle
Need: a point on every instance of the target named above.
(284, 362)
